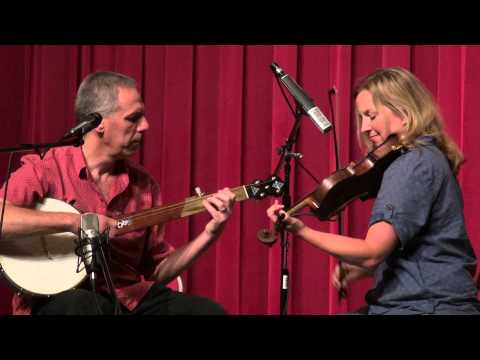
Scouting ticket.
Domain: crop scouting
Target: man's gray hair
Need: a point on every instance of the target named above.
(98, 92)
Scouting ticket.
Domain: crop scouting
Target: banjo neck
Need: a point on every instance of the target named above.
(193, 205)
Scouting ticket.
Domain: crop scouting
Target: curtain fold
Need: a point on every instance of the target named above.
(217, 118)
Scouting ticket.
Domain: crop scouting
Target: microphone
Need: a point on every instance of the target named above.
(89, 122)
(89, 233)
(303, 99)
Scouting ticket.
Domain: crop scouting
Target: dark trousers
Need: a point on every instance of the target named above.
(159, 300)
(361, 311)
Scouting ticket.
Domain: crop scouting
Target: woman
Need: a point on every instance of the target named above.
(416, 246)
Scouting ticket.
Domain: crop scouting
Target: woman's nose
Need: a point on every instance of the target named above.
(366, 124)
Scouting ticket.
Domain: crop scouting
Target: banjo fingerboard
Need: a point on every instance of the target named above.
(163, 214)
(193, 205)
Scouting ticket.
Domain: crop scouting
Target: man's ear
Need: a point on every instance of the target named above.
(100, 128)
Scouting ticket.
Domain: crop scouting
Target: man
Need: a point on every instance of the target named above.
(99, 178)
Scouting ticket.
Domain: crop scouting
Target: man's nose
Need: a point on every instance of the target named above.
(144, 125)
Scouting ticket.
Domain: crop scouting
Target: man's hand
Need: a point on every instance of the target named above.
(220, 207)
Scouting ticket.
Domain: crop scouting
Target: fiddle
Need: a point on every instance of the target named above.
(358, 180)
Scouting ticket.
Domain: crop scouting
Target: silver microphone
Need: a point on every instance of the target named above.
(89, 233)
(303, 99)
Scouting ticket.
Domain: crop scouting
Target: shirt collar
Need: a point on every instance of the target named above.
(80, 164)
(426, 139)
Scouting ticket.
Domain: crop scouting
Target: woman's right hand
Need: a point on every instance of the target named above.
(346, 273)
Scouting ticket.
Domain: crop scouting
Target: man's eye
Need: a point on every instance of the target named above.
(134, 118)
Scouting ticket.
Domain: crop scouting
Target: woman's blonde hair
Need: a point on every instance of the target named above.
(400, 91)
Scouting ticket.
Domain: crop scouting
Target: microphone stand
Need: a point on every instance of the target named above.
(103, 240)
(71, 141)
(342, 292)
(286, 155)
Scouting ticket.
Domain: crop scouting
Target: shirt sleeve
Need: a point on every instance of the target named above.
(28, 184)
(157, 248)
(406, 195)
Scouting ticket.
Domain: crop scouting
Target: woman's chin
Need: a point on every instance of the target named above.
(376, 140)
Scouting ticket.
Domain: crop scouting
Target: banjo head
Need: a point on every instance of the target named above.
(43, 264)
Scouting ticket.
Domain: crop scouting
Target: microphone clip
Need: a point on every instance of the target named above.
(294, 155)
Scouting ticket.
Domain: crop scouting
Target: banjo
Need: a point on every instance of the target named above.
(45, 265)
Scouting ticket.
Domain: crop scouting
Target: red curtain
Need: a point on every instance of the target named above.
(217, 118)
